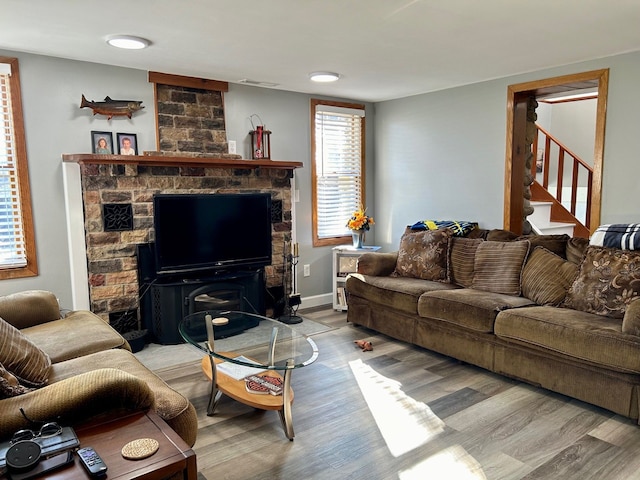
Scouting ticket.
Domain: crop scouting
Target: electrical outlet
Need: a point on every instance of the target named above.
(232, 146)
(307, 270)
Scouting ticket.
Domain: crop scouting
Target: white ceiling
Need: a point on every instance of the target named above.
(383, 49)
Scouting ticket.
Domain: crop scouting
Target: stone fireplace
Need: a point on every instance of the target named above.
(117, 192)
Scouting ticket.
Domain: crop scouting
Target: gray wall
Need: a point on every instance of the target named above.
(51, 90)
(441, 155)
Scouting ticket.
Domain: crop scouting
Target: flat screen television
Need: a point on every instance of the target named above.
(216, 232)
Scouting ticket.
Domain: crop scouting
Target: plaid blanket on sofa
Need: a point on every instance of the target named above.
(460, 229)
(625, 236)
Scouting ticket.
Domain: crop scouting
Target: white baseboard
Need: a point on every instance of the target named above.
(316, 300)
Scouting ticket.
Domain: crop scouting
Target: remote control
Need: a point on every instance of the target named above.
(92, 461)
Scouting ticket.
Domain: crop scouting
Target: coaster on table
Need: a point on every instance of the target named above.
(140, 448)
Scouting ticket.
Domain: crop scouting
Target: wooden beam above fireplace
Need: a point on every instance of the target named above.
(176, 161)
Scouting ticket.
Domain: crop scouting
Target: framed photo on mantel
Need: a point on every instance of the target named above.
(102, 143)
(127, 143)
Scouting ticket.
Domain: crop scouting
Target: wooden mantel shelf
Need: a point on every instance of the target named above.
(176, 161)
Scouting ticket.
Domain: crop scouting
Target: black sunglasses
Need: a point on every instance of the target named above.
(50, 429)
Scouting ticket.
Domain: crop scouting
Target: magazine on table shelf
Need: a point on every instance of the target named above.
(238, 372)
(264, 384)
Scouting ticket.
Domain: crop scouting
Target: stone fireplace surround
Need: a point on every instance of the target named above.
(108, 283)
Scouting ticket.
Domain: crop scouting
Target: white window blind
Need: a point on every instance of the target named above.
(338, 163)
(12, 242)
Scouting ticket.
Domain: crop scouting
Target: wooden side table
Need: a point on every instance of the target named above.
(173, 456)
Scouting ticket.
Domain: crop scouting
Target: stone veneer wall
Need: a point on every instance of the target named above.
(111, 255)
(191, 122)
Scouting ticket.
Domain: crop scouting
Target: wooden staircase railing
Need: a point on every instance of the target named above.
(578, 167)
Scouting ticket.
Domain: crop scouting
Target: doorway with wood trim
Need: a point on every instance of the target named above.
(518, 147)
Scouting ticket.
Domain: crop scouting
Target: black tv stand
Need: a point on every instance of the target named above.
(166, 300)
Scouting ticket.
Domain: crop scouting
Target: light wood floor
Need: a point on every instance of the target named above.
(403, 412)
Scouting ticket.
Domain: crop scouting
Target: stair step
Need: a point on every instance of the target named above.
(541, 215)
(554, 228)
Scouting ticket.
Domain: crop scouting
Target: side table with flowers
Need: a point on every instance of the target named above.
(359, 223)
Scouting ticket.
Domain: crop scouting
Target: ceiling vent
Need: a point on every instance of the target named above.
(257, 83)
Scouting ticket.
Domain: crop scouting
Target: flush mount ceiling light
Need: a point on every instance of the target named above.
(128, 41)
(324, 76)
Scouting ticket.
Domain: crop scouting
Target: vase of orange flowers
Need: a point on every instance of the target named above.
(359, 223)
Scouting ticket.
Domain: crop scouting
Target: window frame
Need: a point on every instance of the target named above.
(346, 238)
(22, 174)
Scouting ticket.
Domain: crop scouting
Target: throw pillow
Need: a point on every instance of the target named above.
(9, 384)
(498, 266)
(554, 243)
(424, 255)
(576, 247)
(22, 357)
(461, 260)
(609, 279)
(546, 277)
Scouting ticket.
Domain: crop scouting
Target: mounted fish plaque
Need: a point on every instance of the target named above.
(112, 108)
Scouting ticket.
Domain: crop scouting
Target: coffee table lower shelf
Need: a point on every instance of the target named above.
(221, 383)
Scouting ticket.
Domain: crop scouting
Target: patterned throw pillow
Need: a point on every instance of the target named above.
(547, 277)
(9, 384)
(498, 266)
(424, 255)
(22, 357)
(461, 260)
(609, 279)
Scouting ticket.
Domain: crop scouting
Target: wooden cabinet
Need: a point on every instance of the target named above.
(345, 261)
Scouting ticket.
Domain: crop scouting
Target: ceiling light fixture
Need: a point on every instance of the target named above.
(324, 76)
(128, 41)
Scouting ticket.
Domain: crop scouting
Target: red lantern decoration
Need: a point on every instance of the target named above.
(260, 140)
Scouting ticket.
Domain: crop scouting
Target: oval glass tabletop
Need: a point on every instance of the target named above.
(248, 340)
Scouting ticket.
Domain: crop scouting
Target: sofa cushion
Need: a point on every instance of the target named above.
(500, 235)
(554, 243)
(22, 357)
(10, 386)
(498, 266)
(547, 277)
(468, 308)
(631, 320)
(424, 255)
(84, 333)
(174, 408)
(400, 293)
(576, 248)
(28, 308)
(608, 280)
(580, 335)
(462, 254)
(377, 263)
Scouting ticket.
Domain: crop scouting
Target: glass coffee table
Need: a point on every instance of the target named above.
(270, 349)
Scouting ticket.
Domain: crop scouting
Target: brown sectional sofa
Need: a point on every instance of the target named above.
(91, 372)
(581, 344)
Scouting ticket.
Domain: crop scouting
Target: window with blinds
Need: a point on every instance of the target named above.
(338, 168)
(16, 242)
